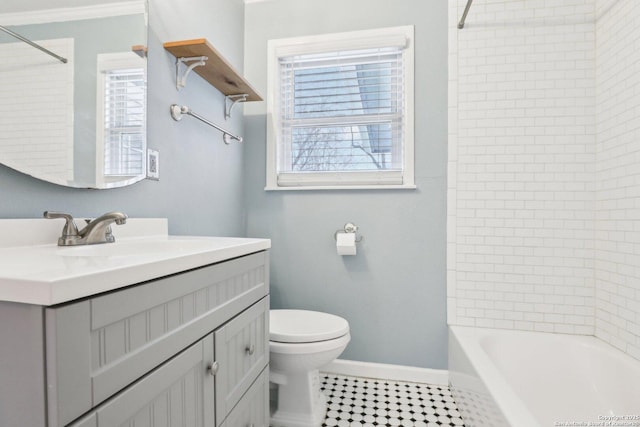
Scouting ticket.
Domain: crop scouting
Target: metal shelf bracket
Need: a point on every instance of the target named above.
(181, 78)
(230, 101)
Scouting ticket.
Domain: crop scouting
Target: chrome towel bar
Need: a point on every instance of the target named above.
(36, 45)
(177, 111)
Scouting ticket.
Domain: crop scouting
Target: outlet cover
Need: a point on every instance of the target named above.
(153, 164)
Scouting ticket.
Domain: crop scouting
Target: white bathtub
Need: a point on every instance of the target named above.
(532, 379)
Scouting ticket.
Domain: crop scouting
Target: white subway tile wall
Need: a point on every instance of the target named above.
(522, 165)
(617, 238)
(36, 102)
(544, 167)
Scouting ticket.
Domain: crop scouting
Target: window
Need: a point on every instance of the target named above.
(340, 111)
(121, 128)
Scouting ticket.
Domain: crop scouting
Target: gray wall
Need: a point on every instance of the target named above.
(393, 293)
(200, 183)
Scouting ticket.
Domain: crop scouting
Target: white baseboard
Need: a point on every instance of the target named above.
(387, 372)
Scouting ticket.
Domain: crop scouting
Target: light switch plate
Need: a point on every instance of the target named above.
(153, 164)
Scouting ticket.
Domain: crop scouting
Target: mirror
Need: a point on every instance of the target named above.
(81, 123)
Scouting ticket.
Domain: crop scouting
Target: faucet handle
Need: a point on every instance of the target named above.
(69, 229)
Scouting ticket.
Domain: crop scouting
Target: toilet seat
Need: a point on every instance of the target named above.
(304, 326)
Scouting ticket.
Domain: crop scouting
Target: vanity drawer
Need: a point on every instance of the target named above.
(253, 408)
(176, 393)
(242, 352)
(98, 346)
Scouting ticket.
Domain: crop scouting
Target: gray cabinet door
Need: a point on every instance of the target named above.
(22, 374)
(253, 408)
(179, 393)
(242, 351)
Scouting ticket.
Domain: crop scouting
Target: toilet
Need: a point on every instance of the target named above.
(300, 343)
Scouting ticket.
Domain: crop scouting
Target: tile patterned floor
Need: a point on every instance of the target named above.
(366, 402)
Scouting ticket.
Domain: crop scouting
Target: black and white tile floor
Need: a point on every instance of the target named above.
(366, 402)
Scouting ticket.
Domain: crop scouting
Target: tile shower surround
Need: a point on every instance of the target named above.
(544, 182)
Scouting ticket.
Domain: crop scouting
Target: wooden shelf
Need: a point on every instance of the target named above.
(140, 50)
(217, 70)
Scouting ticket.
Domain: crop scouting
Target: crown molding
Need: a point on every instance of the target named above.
(73, 13)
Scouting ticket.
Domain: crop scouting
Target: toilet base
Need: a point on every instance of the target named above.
(300, 402)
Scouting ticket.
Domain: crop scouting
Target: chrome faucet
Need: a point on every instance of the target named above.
(96, 231)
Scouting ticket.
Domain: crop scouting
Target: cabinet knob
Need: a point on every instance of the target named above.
(250, 349)
(212, 368)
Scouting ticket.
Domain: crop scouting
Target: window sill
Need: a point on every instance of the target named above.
(341, 187)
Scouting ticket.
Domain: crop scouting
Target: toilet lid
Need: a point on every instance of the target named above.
(305, 326)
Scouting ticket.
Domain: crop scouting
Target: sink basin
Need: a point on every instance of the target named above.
(137, 248)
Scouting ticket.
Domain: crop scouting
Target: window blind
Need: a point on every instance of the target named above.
(125, 122)
(341, 112)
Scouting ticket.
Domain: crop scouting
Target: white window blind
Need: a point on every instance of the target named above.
(124, 121)
(340, 111)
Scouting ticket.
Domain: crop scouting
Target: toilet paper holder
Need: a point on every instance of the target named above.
(348, 228)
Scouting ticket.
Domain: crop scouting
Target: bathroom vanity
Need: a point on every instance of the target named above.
(152, 330)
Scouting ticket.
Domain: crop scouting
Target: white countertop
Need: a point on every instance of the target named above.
(34, 272)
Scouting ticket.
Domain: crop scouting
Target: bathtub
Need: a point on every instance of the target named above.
(532, 379)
